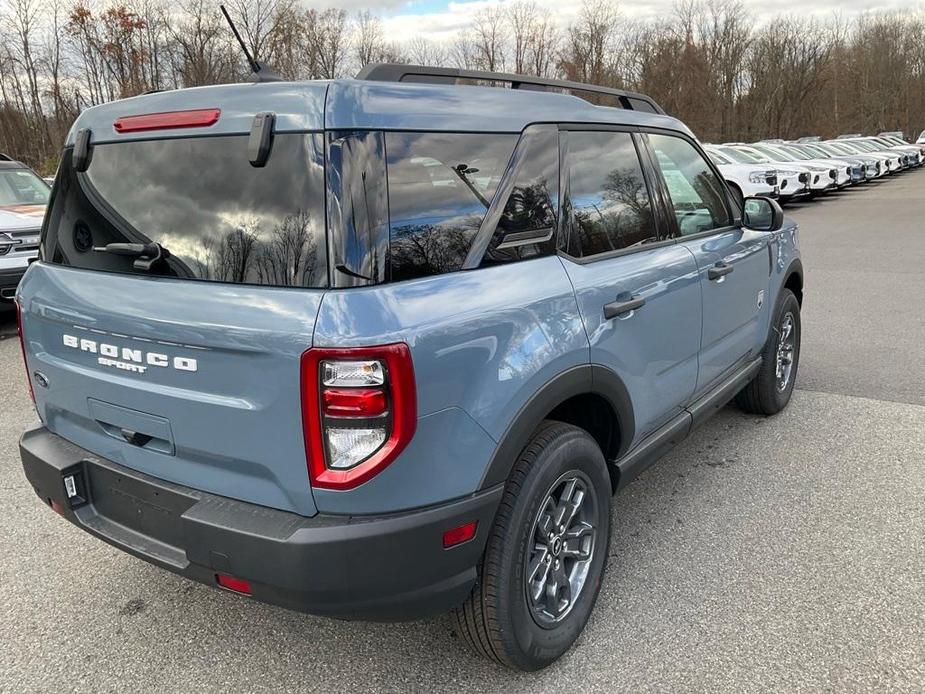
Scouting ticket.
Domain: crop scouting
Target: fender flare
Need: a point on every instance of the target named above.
(795, 267)
(580, 380)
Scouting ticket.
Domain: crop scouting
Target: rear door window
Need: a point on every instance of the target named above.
(609, 203)
(218, 217)
(440, 187)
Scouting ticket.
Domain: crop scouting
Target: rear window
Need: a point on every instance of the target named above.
(219, 218)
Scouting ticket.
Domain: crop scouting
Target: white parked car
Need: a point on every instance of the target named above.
(820, 178)
(792, 181)
(887, 163)
(745, 180)
(921, 140)
(873, 166)
(893, 160)
(912, 153)
(23, 197)
(832, 174)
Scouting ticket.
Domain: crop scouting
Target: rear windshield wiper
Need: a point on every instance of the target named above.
(146, 254)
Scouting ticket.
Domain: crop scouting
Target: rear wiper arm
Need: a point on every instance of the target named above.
(146, 254)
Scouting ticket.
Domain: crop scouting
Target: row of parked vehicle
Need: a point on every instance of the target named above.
(810, 167)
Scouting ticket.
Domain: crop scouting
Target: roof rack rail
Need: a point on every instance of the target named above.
(393, 72)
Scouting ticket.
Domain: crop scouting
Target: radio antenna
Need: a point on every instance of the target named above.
(261, 72)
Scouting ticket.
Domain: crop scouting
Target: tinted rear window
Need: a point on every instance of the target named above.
(440, 187)
(220, 218)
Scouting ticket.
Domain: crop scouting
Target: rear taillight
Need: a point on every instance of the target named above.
(359, 411)
(22, 346)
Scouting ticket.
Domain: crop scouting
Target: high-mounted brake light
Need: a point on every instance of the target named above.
(196, 118)
(22, 347)
(359, 411)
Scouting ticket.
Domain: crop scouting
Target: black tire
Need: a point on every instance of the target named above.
(764, 394)
(498, 620)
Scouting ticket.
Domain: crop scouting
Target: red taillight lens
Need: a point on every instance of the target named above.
(238, 585)
(460, 534)
(22, 347)
(359, 411)
(354, 402)
(196, 118)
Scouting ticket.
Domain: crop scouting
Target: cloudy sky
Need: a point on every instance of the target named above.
(441, 19)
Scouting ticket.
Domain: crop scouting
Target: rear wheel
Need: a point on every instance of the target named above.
(769, 392)
(543, 564)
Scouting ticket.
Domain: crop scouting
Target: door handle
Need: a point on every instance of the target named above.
(618, 308)
(719, 270)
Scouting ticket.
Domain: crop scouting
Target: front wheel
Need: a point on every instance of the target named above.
(770, 390)
(545, 557)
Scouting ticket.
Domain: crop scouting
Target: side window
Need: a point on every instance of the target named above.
(609, 206)
(440, 187)
(527, 223)
(358, 208)
(697, 195)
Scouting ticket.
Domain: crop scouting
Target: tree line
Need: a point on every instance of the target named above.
(707, 61)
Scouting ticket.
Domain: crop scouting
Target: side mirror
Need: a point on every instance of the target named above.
(762, 214)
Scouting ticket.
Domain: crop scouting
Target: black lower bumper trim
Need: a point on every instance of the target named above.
(385, 568)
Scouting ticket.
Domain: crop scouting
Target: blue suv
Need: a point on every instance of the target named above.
(385, 347)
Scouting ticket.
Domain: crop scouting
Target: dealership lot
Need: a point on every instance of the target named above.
(780, 554)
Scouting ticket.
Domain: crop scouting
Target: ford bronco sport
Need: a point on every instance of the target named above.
(385, 347)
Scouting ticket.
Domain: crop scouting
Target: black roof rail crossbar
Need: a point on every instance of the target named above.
(393, 72)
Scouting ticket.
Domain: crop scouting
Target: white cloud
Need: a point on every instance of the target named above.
(404, 20)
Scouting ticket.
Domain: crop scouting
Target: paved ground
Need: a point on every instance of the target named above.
(763, 555)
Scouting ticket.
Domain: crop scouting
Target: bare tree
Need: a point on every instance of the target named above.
(423, 51)
(489, 35)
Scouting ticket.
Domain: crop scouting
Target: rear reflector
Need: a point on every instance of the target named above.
(460, 534)
(197, 118)
(56, 507)
(237, 585)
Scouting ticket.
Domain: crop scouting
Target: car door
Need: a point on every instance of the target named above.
(637, 290)
(733, 261)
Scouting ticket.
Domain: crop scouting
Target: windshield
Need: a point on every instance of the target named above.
(817, 151)
(864, 146)
(717, 157)
(801, 149)
(22, 187)
(741, 157)
(845, 147)
(779, 153)
(837, 149)
(218, 217)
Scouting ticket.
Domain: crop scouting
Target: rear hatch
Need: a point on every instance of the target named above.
(185, 367)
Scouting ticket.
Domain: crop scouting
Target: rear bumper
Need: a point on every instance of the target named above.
(385, 568)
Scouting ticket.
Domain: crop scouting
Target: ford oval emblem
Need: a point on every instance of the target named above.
(40, 379)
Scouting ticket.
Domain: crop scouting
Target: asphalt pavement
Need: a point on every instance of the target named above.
(783, 554)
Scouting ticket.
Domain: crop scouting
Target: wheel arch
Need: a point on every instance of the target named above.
(591, 396)
(793, 279)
